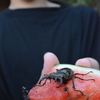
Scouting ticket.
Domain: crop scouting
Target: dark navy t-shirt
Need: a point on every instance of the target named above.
(27, 34)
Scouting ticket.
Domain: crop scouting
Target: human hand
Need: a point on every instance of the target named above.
(50, 60)
(88, 62)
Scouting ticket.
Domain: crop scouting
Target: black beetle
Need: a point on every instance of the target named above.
(62, 76)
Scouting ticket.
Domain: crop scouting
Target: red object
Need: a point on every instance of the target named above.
(91, 89)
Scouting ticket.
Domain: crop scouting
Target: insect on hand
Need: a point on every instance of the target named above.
(62, 76)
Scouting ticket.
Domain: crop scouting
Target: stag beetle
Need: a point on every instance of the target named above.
(62, 76)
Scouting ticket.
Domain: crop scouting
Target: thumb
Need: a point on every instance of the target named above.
(50, 60)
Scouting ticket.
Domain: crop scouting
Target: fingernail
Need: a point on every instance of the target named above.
(84, 62)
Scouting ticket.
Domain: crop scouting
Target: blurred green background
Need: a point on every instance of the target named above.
(95, 4)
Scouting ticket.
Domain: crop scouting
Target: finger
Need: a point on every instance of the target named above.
(50, 60)
(88, 62)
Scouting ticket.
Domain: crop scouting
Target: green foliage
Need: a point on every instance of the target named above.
(95, 4)
(80, 2)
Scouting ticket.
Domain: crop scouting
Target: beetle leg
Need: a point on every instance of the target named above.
(45, 77)
(61, 81)
(83, 74)
(42, 84)
(75, 88)
(56, 79)
(83, 79)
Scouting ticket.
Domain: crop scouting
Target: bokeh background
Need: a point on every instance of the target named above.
(95, 4)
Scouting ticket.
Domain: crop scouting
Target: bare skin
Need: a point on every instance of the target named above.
(16, 4)
(50, 60)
